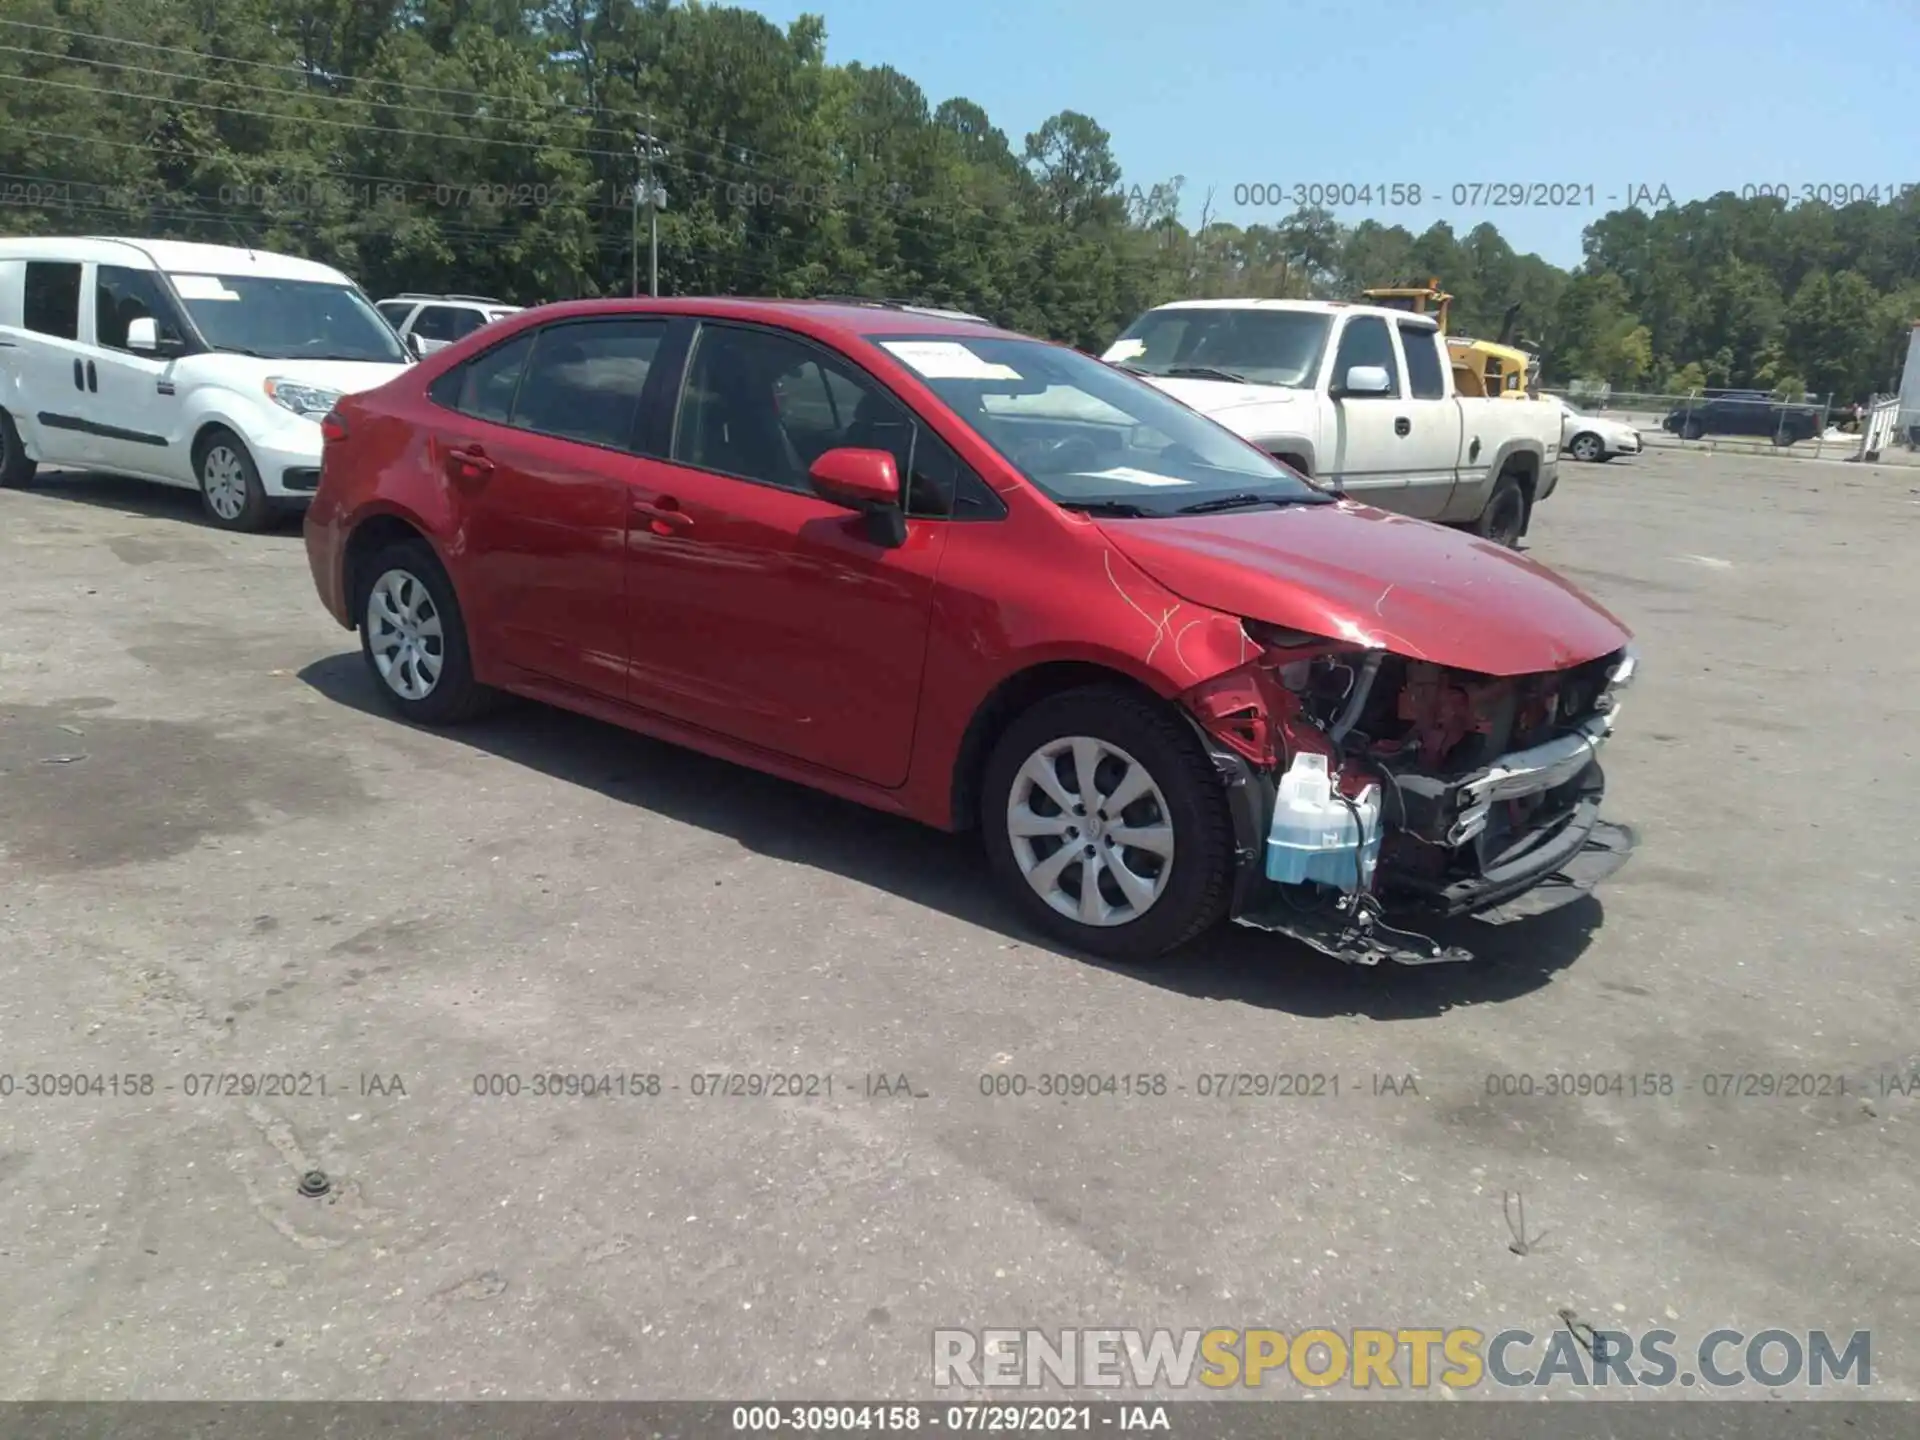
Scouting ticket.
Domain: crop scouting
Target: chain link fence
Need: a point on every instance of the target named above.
(1810, 425)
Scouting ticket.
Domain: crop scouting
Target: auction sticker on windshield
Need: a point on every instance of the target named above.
(1124, 350)
(946, 360)
(202, 287)
(1127, 475)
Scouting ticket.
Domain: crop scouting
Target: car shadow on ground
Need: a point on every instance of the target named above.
(790, 822)
(144, 498)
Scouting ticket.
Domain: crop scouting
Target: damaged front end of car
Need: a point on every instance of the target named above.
(1372, 790)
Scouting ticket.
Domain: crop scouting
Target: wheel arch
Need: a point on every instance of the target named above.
(1005, 703)
(1293, 450)
(204, 429)
(1523, 459)
(374, 531)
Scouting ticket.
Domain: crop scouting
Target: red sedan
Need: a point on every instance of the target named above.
(983, 581)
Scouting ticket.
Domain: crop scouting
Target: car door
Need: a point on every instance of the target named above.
(1428, 425)
(758, 610)
(134, 410)
(1370, 458)
(49, 361)
(536, 450)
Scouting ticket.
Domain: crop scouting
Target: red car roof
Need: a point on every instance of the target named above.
(824, 318)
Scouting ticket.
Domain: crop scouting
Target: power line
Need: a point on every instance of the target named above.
(731, 159)
(289, 93)
(308, 119)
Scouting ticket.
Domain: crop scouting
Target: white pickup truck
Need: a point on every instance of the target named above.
(1356, 397)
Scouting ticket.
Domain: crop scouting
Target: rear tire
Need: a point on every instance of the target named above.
(1151, 896)
(16, 470)
(414, 639)
(230, 487)
(1504, 520)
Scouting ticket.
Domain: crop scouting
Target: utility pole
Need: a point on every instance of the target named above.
(646, 149)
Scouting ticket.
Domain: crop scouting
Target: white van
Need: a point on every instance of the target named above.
(193, 365)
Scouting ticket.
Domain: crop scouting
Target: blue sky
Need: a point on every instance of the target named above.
(1694, 95)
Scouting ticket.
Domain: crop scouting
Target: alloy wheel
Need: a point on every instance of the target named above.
(223, 474)
(404, 634)
(1091, 831)
(1586, 447)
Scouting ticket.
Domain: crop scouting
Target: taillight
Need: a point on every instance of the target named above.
(333, 427)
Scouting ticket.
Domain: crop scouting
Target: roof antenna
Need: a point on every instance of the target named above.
(245, 244)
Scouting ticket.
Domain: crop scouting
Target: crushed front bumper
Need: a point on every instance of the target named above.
(1497, 870)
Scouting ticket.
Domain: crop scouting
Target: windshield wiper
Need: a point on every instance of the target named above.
(242, 350)
(1241, 502)
(1114, 509)
(1205, 372)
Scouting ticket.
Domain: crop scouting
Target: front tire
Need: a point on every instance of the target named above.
(1107, 824)
(414, 640)
(230, 487)
(16, 470)
(1504, 520)
(1587, 447)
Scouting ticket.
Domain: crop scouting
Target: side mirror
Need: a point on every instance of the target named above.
(1367, 380)
(143, 335)
(413, 346)
(867, 481)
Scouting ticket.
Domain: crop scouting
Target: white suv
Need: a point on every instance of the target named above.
(433, 322)
(203, 366)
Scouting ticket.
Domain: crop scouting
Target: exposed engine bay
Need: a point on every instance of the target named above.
(1467, 794)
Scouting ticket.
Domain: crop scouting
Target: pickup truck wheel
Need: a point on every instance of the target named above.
(1586, 446)
(1505, 518)
(16, 470)
(1106, 824)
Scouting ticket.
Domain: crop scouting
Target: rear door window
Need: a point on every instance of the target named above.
(584, 380)
(52, 301)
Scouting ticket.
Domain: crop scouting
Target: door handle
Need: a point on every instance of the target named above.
(79, 380)
(93, 378)
(663, 516)
(1402, 425)
(470, 464)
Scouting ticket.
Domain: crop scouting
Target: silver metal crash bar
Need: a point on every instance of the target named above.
(1528, 772)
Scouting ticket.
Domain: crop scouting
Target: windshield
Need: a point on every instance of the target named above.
(1270, 347)
(1088, 435)
(287, 319)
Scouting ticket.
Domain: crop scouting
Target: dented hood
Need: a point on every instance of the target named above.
(1351, 572)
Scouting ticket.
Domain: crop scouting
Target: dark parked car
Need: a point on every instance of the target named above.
(1755, 415)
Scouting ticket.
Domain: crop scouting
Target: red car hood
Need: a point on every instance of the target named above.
(1351, 572)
